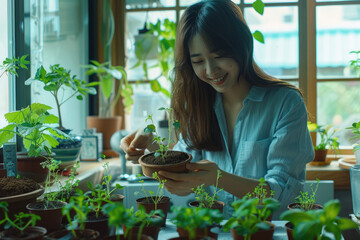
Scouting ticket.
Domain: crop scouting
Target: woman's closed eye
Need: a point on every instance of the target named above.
(196, 61)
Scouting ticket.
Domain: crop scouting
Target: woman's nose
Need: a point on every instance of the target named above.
(211, 68)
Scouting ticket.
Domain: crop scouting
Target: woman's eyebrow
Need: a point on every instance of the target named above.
(195, 55)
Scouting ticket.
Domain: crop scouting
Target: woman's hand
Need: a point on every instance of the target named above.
(135, 143)
(201, 172)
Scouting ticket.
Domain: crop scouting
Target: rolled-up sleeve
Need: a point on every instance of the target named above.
(289, 152)
(182, 146)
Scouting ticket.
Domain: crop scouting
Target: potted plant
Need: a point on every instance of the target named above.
(327, 141)
(32, 125)
(205, 200)
(306, 200)
(22, 226)
(163, 158)
(195, 222)
(249, 221)
(136, 225)
(355, 128)
(154, 201)
(49, 208)
(318, 224)
(56, 81)
(76, 213)
(107, 75)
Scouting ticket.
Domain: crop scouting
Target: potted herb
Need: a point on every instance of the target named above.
(318, 224)
(306, 200)
(205, 200)
(107, 76)
(76, 213)
(250, 221)
(163, 158)
(195, 222)
(22, 226)
(327, 141)
(49, 208)
(154, 201)
(67, 189)
(32, 124)
(136, 225)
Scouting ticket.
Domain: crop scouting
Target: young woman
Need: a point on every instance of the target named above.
(233, 116)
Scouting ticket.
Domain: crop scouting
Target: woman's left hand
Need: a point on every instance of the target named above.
(201, 172)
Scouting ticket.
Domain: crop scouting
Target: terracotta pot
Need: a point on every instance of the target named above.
(107, 126)
(117, 198)
(219, 205)
(320, 155)
(99, 224)
(199, 233)
(87, 234)
(30, 167)
(164, 205)
(30, 233)
(122, 237)
(289, 230)
(292, 206)
(149, 169)
(17, 203)
(151, 231)
(259, 235)
(50, 218)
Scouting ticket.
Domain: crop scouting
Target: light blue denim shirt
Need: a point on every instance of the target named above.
(270, 140)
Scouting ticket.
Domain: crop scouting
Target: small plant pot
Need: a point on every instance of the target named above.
(151, 231)
(30, 233)
(164, 205)
(217, 205)
(320, 156)
(174, 162)
(122, 237)
(196, 238)
(87, 234)
(204, 233)
(298, 206)
(29, 167)
(99, 223)
(117, 198)
(50, 217)
(289, 230)
(259, 235)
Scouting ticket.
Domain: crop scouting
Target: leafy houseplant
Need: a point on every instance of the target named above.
(163, 158)
(305, 200)
(318, 224)
(195, 222)
(10, 66)
(21, 227)
(327, 140)
(248, 219)
(57, 80)
(204, 199)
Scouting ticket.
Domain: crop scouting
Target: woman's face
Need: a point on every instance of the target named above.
(221, 72)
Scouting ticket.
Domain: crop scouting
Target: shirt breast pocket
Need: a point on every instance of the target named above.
(252, 158)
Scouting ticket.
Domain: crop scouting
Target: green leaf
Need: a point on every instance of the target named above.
(52, 141)
(155, 85)
(258, 5)
(7, 133)
(259, 36)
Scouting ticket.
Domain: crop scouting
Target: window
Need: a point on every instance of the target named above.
(328, 83)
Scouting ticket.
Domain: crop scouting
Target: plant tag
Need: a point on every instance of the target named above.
(10, 161)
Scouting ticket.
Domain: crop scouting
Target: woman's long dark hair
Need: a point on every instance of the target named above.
(222, 24)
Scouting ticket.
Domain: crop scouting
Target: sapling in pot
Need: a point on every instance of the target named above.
(306, 200)
(163, 158)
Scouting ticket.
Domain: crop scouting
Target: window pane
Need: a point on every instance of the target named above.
(337, 33)
(279, 55)
(338, 103)
(135, 22)
(59, 35)
(4, 81)
(133, 4)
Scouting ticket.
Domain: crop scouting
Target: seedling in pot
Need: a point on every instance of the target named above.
(260, 192)
(150, 128)
(204, 198)
(306, 200)
(21, 220)
(155, 198)
(53, 167)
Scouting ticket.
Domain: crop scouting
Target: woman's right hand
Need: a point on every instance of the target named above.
(135, 143)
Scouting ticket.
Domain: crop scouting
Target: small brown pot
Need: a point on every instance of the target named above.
(164, 205)
(99, 223)
(30, 233)
(106, 126)
(199, 233)
(117, 198)
(259, 235)
(217, 205)
(29, 167)
(293, 206)
(320, 155)
(149, 169)
(50, 218)
(151, 231)
(289, 230)
(87, 234)
(122, 237)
